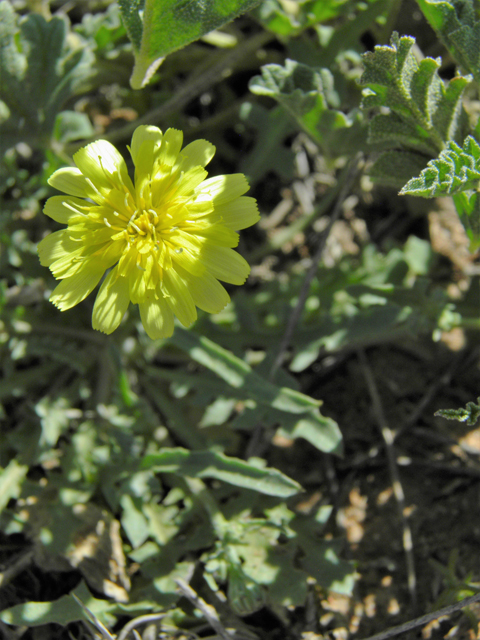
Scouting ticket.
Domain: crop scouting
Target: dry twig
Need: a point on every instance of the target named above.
(418, 622)
(389, 437)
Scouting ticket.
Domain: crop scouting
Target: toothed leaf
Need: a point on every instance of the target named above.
(455, 170)
(39, 71)
(415, 95)
(470, 414)
(309, 96)
(456, 23)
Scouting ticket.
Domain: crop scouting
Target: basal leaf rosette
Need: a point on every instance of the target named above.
(167, 238)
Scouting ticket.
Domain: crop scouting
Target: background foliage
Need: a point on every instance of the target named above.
(239, 457)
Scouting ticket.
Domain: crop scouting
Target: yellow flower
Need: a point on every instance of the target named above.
(168, 237)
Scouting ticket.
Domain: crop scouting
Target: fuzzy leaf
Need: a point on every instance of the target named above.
(291, 20)
(212, 464)
(425, 113)
(158, 28)
(467, 205)
(470, 414)
(455, 170)
(309, 96)
(396, 167)
(39, 72)
(269, 152)
(457, 25)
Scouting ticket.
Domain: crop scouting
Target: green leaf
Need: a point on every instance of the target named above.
(467, 205)
(11, 479)
(239, 374)
(212, 464)
(71, 125)
(158, 28)
(395, 167)
(455, 170)
(309, 96)
(269, 152)
(425, 113)
(40, 70)
(61, 611)
(456, 23)
(470, 414)
(292, 19)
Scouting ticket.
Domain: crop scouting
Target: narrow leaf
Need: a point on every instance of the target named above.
(212, 464)
(239, 374)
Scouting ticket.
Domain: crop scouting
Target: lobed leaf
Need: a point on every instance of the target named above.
(470, 414)
(39, 72)
(212, 464)
(455, 170)
(424, 112)
(309, 96)
(456, 23)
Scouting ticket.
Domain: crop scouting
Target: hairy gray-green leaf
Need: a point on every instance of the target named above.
(455, 170)
(268, 153)
(456, 22)
(292, 19)
(212, 464)
(39, 72)
(425, 113)
(470, 414)
(158, 28)
(309, 96)
(467, 204)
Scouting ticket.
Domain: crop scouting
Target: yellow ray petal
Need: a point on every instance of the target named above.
(223, 188)
(178, 297)
(63, 210)
(140, 135)
(238, 214)
(55, 246)
(197, 153)
(103, 165)
(171, 145)
(76, 288)
(225, 264)
(207, 293)
(157, 317)
(111, 303)
(217, 234)
(71, 181)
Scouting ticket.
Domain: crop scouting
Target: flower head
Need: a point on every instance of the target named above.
(167, 238)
